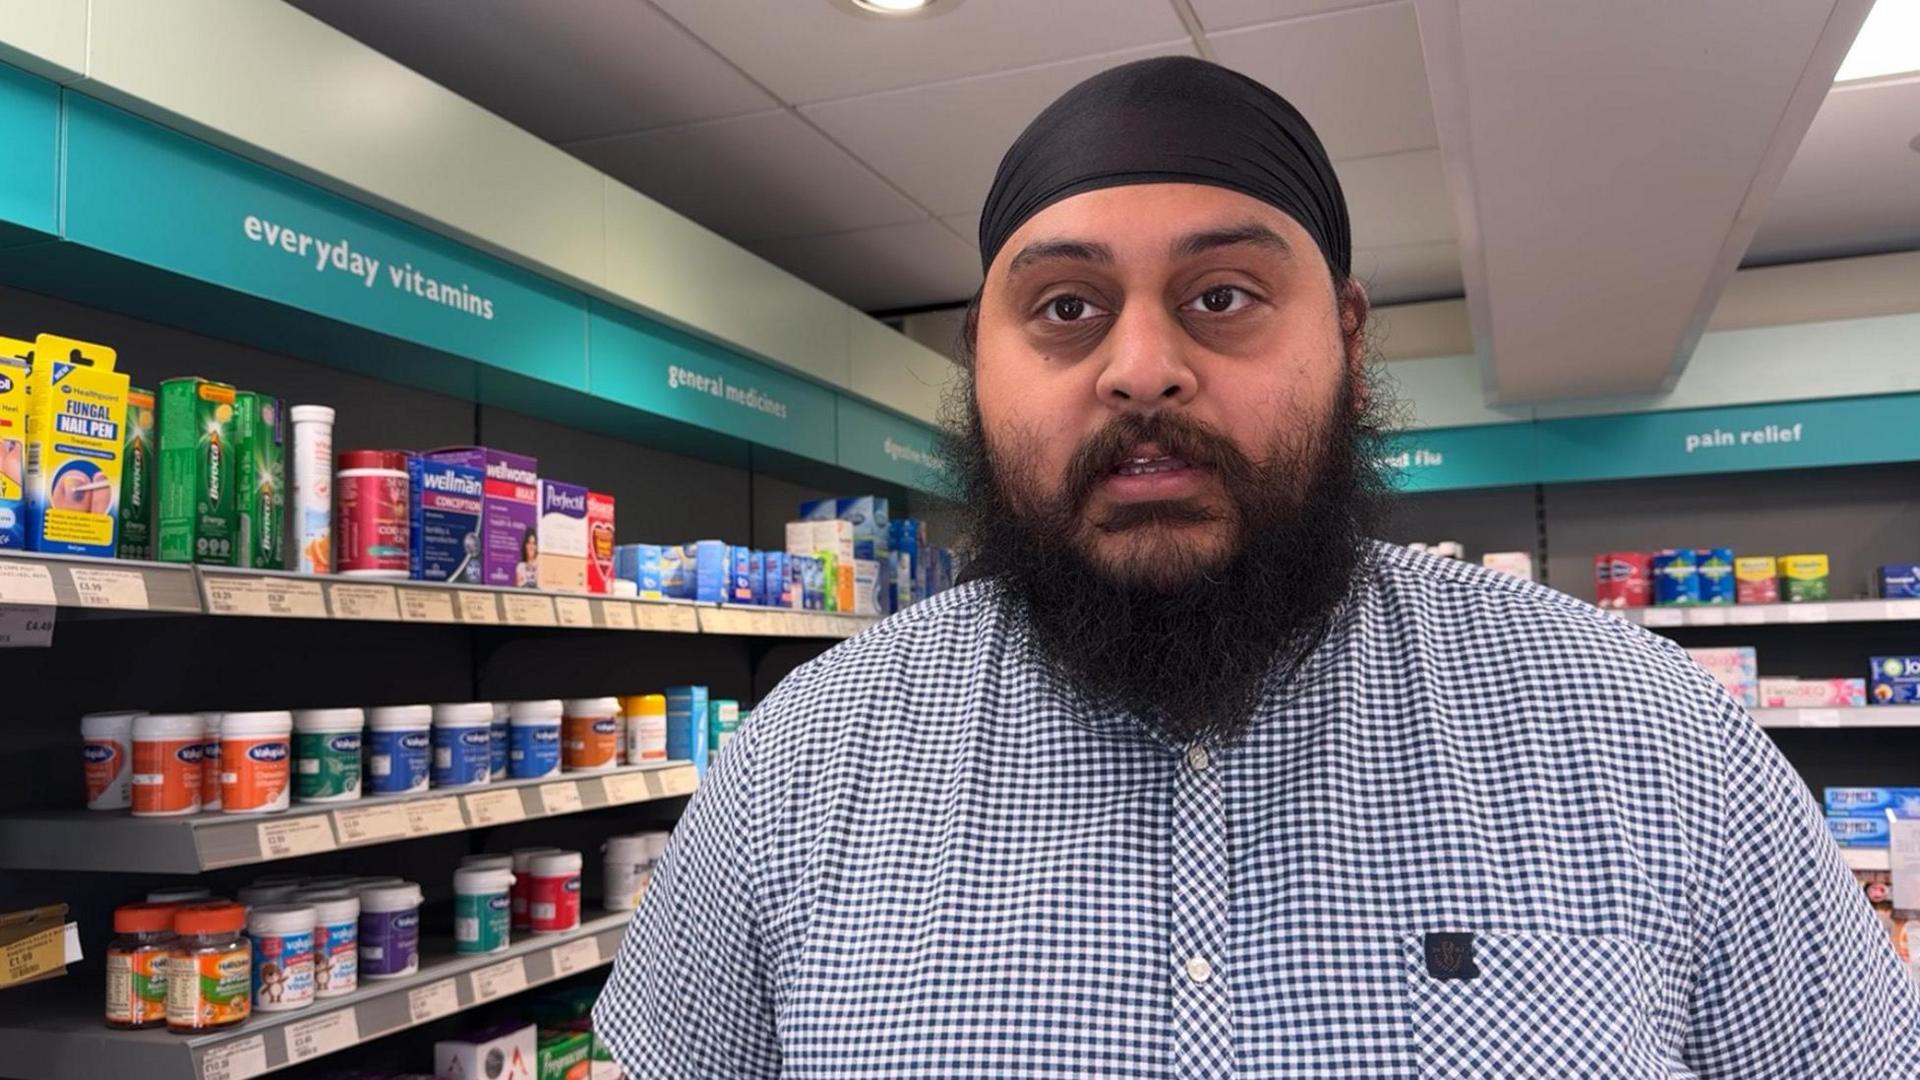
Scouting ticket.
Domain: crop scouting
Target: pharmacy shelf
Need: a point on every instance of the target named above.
(130, 587)
(1832, 611)
(1867, 858)
(119, 842)
(1871, 716)
(61, 1037)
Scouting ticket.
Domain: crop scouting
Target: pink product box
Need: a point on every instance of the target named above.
(1813, 693)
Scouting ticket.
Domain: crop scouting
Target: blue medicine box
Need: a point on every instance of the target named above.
(1900, 581)
(1676, 578)
(443, 526)
(1872, 801)
(739, 575)
(1895, 680)
(687, 726)
(1859, 832)
(704, 566)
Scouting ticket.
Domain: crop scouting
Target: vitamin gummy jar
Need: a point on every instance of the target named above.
(137, 965)
(209, 969)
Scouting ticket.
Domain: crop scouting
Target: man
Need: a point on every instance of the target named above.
(1195, 780)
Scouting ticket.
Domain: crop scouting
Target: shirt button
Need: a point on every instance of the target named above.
(1198, 969)
(1197, 759)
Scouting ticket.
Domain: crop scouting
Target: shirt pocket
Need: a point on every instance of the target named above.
(1536, 1005)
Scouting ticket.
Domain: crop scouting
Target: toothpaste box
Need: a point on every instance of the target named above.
(640, 564)
(1872, 801)
(1858, 832)
(136, 473)
(260, 483)
(76, 416)
(1756, 579)
(687, 725)
(506, 1052)
(1900, 581)
(600, 544)
(196, 506)
(868, 514)
(1715, 569)
(509, 513)
(1803, 578)
(1735, 668)
(740, 576)
(444, 531)
(563, 537)
(1620, 579)
(1895, 680)
(1813, 693)
(1676, 578)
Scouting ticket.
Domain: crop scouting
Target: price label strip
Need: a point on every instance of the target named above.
(372, 824)
(616, 614)
(26, 626)
(576, 955)
(680, 781)
(666, 618)
(573, 610)
(495, 807)
(433, 1001)
(429, 816)
(561, 798)
(498, 980)
(288, 837)
(426, 605)
(320, 1035)
(374, 602)
(276, 597)
(625, 788)
(26, 583)
(479, 608)
(525, 610)
(236, 1060)
(123, 589)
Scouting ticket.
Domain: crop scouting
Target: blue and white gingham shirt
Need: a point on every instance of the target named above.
(924, 857)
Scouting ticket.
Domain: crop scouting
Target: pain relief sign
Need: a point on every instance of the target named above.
(1722, 439)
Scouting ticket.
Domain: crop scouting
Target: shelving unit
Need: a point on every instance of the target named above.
(94, 840)
(61, 1037)
(1872, 716)
(124, 586)
(1832, 611)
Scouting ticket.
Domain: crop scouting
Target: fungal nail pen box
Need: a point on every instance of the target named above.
(509, 513)
(76, 410)
(563, 536)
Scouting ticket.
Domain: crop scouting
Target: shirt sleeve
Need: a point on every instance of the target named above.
(691, 991)
(1796, 976)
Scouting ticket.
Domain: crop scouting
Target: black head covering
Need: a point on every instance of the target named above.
(1170, 120)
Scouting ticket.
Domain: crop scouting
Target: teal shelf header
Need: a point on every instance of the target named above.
(30, 134)
(881, 444)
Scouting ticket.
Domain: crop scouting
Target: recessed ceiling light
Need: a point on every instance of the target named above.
(892, 7)
(1888, 43)
(896, 9)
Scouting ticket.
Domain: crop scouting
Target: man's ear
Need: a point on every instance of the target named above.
(1354, 309)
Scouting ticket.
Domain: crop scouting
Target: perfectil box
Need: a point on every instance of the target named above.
(600, 544)
(196, 506)
(563, 537)
(1756, 579)
(444, 528)
(1895, 680)
(260, 483)
(76, 414)
(509, 514)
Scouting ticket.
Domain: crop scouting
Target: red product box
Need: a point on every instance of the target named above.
(1622, 579)
(599, 542)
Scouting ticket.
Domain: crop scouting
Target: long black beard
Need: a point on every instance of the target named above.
(1193, 648)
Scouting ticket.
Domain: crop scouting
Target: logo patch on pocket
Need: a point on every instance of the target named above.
(1450, 956)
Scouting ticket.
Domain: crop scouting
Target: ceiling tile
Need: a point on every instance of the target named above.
(1228, 14)
(1397, 199)
(1399, 275)
(1854, 185)
(563, 71)
(1356, 75)
(814, 50)
(879, 269)
(752, 178)
(967, 225)
(948, 167)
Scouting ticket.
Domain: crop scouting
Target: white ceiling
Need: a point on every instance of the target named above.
(855, 151)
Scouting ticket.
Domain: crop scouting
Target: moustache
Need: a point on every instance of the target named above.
(1176, 436)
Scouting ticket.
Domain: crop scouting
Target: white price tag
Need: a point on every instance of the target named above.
(479, 607)
(126, 589)
(576, 955)
(26, 626)
(1654, 616)
(433, 1001)
(426, 605)
(236, 1060)
(561, 798)
(495, 807)
(625, 787)
(1904, 608)
(278, 597)
(678, 781)
(430, 816)
(288, 837)
(573, 610)
(322, 1034)
(378, 602)
(1748, 615)
(372, 824)
(525, 609)
(26, 583)
(1707, 616)
(497, 980)
(1807, 613)
(668, 618)
(616, 614)
(1820, 718)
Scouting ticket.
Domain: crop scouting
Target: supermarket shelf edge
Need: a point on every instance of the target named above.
(1797, 614)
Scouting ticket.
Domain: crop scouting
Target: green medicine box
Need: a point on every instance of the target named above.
(198, 515)
(260, 482)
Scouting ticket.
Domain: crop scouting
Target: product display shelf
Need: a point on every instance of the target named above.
(127, 586)
(61, 1037)
(1831, 611)
(118, 842)
(1866, 858)
(1871, 716)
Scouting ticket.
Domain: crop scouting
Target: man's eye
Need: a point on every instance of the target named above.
(1067, 309)
(1221, 300)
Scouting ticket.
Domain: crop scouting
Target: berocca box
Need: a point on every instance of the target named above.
(136, 478)
(76, 412)
(260, 485)
(198, 514)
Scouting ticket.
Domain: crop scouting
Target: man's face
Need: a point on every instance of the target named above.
(1148, 353)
